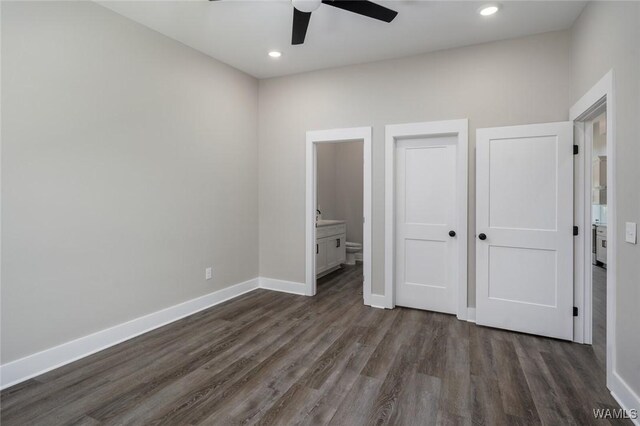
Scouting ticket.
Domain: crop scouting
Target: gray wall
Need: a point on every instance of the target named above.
(340, 181)
(349, 187)
(326, 180)
(130, 161)
(128, 166)
(503, 83)
(607, 36)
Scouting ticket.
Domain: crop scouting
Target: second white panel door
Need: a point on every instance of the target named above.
(425, 223)
(524, 219)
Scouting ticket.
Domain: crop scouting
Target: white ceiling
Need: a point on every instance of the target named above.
(240, 32)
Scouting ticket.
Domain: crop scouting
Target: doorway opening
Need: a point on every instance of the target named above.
(339, 214)
(597, 129)
(595, 202)
(338, 211)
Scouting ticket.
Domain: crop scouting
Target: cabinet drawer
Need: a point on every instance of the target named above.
(337, 229)
(322, 232)
(328, 231)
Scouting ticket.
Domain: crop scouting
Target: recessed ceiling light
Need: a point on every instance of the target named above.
(275, 54)
(489, 9)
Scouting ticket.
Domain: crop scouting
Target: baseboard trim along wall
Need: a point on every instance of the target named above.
(377, 301)
(471, 315)
(283, 286)
(626, 397)
(33, 365)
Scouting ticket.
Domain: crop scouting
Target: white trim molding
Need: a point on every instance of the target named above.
(377, 301)
(626, 397)
(393, 133)
(283, 286)
(582, 111)
(33, 365)
(471, 315)
(335, 136)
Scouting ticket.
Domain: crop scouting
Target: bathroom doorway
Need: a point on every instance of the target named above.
(339, 206)
(338, 252)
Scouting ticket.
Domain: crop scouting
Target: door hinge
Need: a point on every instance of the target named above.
(575, 231)
(575, 311)
(576, 150)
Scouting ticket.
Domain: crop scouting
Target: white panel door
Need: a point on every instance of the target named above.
(524, 225)
(425, 215)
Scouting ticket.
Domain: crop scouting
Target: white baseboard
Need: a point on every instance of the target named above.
(33, 365)
(626, 397)
(471, 314)
(377, 301)
(283, 286)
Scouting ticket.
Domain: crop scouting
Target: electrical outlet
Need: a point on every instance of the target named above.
(208, 273)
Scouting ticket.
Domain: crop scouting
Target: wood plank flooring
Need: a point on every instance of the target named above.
(599, 284)
(275, 358)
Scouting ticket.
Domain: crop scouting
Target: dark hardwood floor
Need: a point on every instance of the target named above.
(275, 358)
(599, 288)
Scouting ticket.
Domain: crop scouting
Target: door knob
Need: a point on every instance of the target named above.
(452, 233)
(482, 237)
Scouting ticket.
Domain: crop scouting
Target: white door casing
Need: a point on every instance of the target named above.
(453, 274)
(600, 96)
(314, 137)
(425, 214)
(524, 212)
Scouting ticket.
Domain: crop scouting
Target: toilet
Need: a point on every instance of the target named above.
(353, 250)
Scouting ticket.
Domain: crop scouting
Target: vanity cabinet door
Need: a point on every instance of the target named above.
(333, 251)
(330, 251)
(336, 250)
(342, 249)
(321, 255)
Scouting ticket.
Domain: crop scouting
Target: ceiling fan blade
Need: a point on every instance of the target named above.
(366, 8)
(300, 25)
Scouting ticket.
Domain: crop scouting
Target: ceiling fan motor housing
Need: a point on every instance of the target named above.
(306, 5)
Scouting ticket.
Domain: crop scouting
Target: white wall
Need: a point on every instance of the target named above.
(129, 165)
(349, 187)
(129, 161)
(340, 185)
(326, 180)
(607, 36)
(503, 83)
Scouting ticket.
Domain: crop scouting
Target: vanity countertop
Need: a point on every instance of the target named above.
(324, 222)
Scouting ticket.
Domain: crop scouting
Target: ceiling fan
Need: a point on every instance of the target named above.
(302, 13)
